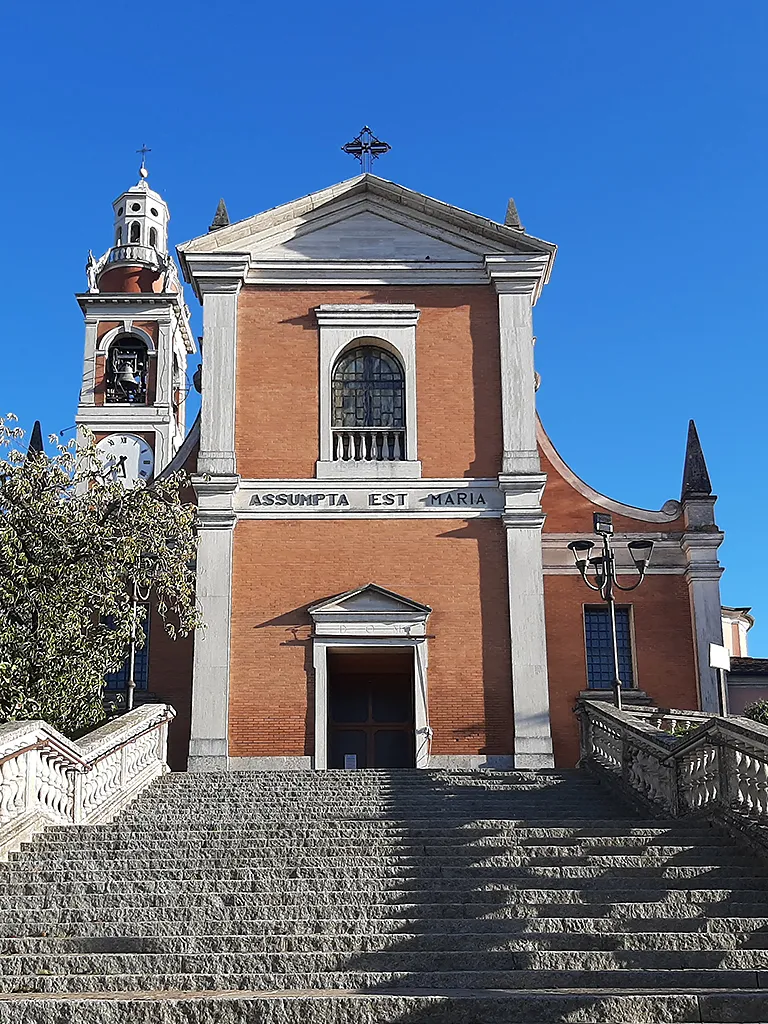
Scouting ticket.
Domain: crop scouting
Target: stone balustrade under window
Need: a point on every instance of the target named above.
(368, 444)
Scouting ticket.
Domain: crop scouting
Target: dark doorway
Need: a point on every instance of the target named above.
(370, 710)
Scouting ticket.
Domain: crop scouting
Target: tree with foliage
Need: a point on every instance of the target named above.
(74, 543)
(757, 711)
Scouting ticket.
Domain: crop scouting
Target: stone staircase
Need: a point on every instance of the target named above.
(340, 897)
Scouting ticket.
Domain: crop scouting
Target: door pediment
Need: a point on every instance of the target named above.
(370, 611)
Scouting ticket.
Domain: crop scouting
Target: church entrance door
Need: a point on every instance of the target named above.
(370, 710)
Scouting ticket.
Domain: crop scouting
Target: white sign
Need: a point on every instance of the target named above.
(350, 760)
(719, 657)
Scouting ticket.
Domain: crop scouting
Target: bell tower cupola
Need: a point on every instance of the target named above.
(141, 217)
(138, 259)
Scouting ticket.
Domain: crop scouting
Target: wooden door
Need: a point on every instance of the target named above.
(371, 716)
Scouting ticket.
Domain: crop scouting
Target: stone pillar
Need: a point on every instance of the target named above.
(523, 521)
(218, 282)
(518, 280)
(209, 739)
(700, 543)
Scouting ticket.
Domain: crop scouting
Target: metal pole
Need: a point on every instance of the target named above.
(132, 655)
(611, 601)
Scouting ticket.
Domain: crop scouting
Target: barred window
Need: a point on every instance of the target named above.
(368, 390)
(597, 629)
(118, 680)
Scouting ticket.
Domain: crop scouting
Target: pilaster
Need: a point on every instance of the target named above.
(523, 519)
(209, 740)
(700, 544)
(217, 281)
(518, 281)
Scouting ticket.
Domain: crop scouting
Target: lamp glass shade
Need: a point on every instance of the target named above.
(580, 550)
(641, 551)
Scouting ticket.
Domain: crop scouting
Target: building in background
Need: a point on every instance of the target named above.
(383, 562)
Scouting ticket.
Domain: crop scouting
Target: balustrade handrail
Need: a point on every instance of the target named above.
(46, 778)
(720, 767)
(51, 743)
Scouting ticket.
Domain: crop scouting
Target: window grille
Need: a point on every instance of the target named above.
(597, 629)
(368, 390)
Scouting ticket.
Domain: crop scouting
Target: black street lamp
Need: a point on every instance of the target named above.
(139, 596)
(604, 568)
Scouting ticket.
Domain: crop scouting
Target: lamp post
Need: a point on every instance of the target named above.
(604, 568)
(137, 596)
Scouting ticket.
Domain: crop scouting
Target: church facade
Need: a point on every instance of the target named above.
(383, 562)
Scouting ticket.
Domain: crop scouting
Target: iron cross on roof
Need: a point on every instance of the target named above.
(144, 150)
(365, 148)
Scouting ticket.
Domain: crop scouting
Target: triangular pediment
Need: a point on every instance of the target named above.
(370, 600)
(367, 218)
(364, 235)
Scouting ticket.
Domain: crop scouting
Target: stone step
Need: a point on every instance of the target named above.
(92, 863)
(364, 941)
(438, 1007)
(349, 830)
(410, 981)
(138, 922)
(559, 903)
(375, 879)
(448, 847)
(406, 961)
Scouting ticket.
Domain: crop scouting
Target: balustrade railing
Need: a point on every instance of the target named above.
(681, 761)
(133, 253)
(368, 444)
(46, 779)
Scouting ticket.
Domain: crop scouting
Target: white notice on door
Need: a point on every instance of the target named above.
(350, 760)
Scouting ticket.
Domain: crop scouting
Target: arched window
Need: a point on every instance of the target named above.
(119, 236)
(368, 406)
(135, 231)
(153, 237)
(127, 366)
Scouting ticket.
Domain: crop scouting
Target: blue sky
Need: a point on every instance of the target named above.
(632, 134)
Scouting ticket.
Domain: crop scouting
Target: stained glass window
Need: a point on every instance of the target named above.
(368, 389)
(597, 628)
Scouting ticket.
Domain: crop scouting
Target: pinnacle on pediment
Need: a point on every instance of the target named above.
(221, 217)
(696, 482)
(512, 218)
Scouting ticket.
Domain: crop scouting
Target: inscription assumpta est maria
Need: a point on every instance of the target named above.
(277, 501)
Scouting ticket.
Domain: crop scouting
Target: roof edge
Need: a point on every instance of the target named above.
(405, 197)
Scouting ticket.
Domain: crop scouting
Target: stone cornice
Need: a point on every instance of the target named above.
(519, 274)
(97, 300)
(378, 315)
(219, 272)
(368, 272)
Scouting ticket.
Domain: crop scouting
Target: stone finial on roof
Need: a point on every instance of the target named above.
(512, 218)
(696, 482)
(221, 217)
(35, 446)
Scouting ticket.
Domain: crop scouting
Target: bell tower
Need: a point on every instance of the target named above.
(137, 339)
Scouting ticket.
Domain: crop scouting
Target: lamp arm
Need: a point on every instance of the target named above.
(591, 586)
(634, 585)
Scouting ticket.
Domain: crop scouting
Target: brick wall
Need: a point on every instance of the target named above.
(664, 649)
(457, 382)
(456, 566)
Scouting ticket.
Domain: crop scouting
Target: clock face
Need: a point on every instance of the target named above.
(128, 457)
